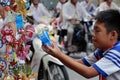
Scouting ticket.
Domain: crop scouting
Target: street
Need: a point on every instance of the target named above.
(75, 76)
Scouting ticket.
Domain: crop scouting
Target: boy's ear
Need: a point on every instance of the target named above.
(114, 35)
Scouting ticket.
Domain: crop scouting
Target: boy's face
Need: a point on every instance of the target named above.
(101, 39)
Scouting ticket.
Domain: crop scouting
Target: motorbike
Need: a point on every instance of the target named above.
(82, 38)
(46, 66)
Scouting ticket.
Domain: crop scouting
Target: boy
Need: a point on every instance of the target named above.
(105, 61)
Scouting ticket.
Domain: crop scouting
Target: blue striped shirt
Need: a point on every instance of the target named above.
(106, 63)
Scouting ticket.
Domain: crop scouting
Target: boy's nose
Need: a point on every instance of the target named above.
(93, 34)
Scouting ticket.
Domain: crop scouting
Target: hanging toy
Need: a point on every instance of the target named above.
(3, 65)
(9, 77)
(19, 22)
(9, 50)
(25, 51)
(23, 54)
(6, 57)
(10, 15)
(27, 4)
(13, 5)
(7, 35)
(24, 77)
(1, 43)
(29, 32)
(21, 7)
(13, 27)
(7, 8)
(5, 2)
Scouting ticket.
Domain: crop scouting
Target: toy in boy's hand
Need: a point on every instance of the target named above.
(41, 27)
(42, 31)
(44, 37)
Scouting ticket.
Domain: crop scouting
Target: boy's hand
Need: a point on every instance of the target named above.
(53, 50)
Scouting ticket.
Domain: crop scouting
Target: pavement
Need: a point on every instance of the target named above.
(78, 55)
(74, 75)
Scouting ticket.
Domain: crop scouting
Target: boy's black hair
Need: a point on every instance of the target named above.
(111, 18)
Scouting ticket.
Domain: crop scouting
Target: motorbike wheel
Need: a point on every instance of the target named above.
(52, 72)
(57, 72)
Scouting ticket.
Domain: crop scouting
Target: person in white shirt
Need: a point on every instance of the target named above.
(88, 6)
(60, 4)
(38, 11)
(59, 22)
(107, 4)
(73, 13)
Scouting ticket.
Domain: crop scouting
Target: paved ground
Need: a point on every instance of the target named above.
(75, 76)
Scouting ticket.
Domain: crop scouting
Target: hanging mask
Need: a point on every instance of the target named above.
(3, 65)
(29, 32)
(5, 2)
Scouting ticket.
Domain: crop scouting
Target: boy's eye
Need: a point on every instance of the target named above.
(96, 30)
